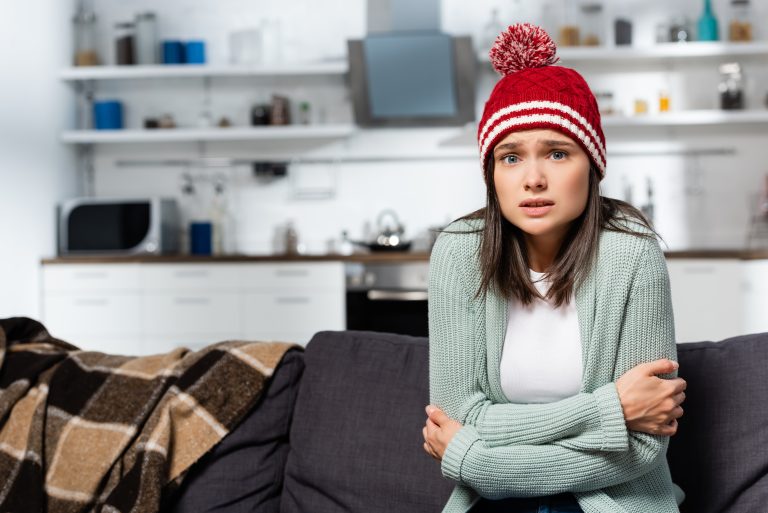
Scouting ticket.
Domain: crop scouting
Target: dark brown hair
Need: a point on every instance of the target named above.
(504, 258)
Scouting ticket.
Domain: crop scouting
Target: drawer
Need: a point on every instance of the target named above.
(293, 312)
(66, 316)
(202, 277)
(90, 278)
(200, 313)
(296, 276)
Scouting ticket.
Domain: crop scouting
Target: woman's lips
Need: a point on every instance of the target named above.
(536, 207)
(537, 211)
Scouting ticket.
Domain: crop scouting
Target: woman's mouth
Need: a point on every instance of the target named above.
(536, 207)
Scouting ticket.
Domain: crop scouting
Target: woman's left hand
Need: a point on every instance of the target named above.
(438, 432)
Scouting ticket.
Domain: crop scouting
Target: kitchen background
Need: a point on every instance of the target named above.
(699, 170)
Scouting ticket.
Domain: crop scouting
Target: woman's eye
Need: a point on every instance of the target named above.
(510, 159)
(558, 155)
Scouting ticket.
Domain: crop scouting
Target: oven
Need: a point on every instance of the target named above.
(387, 297)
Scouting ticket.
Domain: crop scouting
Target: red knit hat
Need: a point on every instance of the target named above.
(534, 94)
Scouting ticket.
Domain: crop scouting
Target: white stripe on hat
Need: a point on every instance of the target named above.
(541, 105)
(555, 119)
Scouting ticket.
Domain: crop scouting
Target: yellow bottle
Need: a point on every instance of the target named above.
(663, 101)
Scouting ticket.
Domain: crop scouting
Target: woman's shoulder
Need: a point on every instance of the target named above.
(457, 246)
(629, 250)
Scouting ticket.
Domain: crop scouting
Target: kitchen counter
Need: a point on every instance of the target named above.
(383, 257)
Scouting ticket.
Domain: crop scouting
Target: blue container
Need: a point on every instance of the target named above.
(708, 30)
(200, 238)
(195, 52)
(173, 52)
(108, 115)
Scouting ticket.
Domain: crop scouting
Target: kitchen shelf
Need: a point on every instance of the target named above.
(210, 134)
(658, 52)
(689, 118)
(76, 74)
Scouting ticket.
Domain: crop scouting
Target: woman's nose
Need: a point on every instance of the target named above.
(535, 179)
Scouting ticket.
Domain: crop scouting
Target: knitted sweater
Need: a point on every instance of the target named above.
(579, 444)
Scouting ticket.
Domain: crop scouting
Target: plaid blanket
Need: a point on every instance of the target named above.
(87, 431)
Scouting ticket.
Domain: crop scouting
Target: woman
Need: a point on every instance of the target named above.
(552, 350)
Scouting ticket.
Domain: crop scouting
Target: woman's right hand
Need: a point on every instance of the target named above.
(652, 404)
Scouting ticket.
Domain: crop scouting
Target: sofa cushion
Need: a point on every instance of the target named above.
(356, 442)
(718, 456)
(244, 473)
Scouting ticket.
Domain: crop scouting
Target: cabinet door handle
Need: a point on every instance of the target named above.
(192, 301)
(292, 300)
(397, 295)
(92, 302)
(292, 272)
(196, 273)
(91, 275)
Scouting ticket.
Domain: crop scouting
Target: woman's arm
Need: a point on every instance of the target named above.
(585, 421)
(647, 334)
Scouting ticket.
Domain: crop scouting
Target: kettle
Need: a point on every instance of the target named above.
(390, 238)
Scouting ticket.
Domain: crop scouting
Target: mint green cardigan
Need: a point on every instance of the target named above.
(579, 444)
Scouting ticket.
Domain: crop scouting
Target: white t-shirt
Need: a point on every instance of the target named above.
(541, 359)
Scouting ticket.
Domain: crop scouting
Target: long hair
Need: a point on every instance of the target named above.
(503, 252)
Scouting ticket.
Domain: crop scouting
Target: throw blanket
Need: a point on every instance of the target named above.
(87, 431)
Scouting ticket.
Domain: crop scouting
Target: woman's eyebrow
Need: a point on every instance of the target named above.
(506, 146)
(557, 142)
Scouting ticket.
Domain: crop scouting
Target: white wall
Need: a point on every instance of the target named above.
(35, 170)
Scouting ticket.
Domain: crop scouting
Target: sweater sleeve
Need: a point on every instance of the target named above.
(584, 421)
(647, 334)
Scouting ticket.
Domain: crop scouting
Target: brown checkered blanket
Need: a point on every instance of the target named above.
(85, 431)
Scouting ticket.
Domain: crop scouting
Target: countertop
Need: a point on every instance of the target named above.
(383, 257)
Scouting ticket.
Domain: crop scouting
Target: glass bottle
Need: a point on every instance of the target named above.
(568, 32)
(708, 30)
(124, 43)
(85, 37)
(740, 26)
(592, 24)
(731, 87)
(147, 46)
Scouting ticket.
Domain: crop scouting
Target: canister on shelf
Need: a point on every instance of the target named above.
(622, 30)
(663, 100)
(740, 26)
(85, 37)
(731, 86)
(641, 106)
(124, 43)
(147, 46)
(592, 24)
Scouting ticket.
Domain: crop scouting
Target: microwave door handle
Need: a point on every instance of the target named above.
(397, 295)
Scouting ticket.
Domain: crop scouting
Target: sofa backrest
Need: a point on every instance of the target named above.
(719, 456)
(356, 442)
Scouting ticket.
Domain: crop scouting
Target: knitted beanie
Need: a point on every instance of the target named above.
(532, 93)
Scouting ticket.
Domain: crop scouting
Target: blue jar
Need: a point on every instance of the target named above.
(200, 238)
(195, 52)
(108, 115)
(173, 52)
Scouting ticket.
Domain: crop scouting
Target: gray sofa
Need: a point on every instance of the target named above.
(339, 430)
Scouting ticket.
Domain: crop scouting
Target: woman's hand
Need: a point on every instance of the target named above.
(652, 404)
(438, 432)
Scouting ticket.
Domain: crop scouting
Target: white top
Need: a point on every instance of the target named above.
(541, 359)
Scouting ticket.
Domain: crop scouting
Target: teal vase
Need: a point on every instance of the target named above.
(708, 24)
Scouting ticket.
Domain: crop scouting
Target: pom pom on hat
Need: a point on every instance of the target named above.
(522, 46)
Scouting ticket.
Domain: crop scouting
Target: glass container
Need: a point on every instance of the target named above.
(568, 33)
(147, 47)
(85, 37)
(740, 26)
(124, 43)
(731, 86)
(592, 24)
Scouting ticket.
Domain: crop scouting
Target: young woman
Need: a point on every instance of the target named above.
(552, 345)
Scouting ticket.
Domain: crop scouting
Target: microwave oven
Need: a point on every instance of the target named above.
(118, 226)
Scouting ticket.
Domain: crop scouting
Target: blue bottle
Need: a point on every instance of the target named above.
(708, 24)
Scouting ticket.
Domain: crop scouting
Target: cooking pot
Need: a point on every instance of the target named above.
(390, 238)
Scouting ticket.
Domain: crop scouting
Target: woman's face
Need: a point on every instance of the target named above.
(542, 181)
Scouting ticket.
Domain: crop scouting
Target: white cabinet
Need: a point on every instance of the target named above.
(756, 296)
(152, 308)
(707, 298)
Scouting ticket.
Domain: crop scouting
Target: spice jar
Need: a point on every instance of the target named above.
(568, 33)
(85, 37)
(124, 42)
(740, 27)
(147, 45)
(731, 87)
(592, 24)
